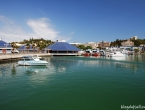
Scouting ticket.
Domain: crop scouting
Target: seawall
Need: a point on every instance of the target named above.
(13, 57)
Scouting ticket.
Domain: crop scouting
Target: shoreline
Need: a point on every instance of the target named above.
(15, 57)
(18, 56)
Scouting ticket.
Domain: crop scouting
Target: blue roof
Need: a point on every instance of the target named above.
(24, 48)
(3, 44)
(62, 46)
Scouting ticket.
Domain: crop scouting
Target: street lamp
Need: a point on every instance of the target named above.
(6, 48)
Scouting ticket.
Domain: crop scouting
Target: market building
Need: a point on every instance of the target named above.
(5, 47)
(62, 48)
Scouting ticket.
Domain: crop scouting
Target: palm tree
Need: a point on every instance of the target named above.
(38, 46)
(42, 46)
(27, 47)
(33, 46)
(14, 46)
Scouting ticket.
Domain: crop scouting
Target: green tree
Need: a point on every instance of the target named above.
(27, 47)
(33, 46)
(81, 47)
(88, 47)
(42, 46)
(99, 48)
(14, 46)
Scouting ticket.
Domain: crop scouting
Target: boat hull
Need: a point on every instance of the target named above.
(87, 54)
(95, 54)
(31, 63)
(117, 55)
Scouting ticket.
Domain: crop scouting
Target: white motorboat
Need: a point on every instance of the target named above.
(30, 60)
(41, 58)
(116, 54)
(102, 52)
(128, 52)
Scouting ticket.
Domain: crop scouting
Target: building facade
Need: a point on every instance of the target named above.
(62, 48)
(104, 44)
(127, 43)
(95, 45)
(92, 44)
(5, 47)
(134, 38)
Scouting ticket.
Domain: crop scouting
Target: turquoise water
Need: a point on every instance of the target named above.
(74, 83)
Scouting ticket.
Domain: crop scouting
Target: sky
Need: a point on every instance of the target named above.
(76, 21)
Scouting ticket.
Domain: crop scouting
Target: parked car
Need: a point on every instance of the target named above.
(14, 51)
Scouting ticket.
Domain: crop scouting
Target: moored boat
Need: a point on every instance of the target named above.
(117, 54)
(41, 58)
(95, 53)
(128, 52)
(87, 53)
(30, 60)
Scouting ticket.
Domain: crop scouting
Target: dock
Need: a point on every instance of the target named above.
(18, 56)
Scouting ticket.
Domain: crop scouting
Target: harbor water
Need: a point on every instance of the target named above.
(74, 83)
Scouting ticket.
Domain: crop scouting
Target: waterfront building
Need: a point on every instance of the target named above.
(62, 48)
(134, 38)
(142, 45)
(95, 45)
(75, 44)
(24, 49)
(127, 43)
(104, 44)
(92, 44)
(5, 47)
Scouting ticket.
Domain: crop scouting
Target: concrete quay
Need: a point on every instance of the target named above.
(12, 57)
(18, 56)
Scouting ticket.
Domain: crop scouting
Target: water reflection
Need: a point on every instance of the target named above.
(32, 70)
(7, 69)
(64, 64)
(61, 64)
(132, 63)
(133, 58)
(13, 69)
(119, 58)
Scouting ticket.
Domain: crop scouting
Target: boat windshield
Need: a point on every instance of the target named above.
(27, 58)
(95, 51)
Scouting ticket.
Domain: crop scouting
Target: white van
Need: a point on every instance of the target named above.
(14, 51)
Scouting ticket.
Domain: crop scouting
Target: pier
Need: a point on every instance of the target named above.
(16, 57)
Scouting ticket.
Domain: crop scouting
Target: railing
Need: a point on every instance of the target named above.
(19, 55)
(73, 54)
(9, 56)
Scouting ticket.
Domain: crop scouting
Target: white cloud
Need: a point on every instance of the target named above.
(71, 33)
(41, 28)
(5, 20)
(9, 31)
